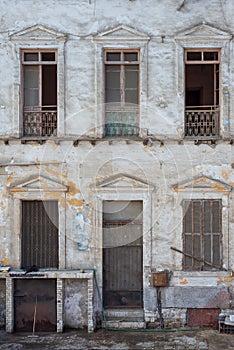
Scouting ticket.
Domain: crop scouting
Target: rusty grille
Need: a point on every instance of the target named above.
(39, 234)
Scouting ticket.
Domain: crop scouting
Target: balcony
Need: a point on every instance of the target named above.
(122, 122)
(40, 121)
(202, 122)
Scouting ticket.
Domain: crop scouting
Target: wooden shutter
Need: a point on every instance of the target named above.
(202, 233)
(39, 234)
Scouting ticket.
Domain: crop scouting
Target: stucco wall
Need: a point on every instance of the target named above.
(163, 162)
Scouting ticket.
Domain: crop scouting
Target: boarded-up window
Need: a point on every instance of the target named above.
(121, 92)
(202, 234)
(39, 234)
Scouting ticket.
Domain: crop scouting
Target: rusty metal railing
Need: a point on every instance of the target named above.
(40, 121)
(202, 122)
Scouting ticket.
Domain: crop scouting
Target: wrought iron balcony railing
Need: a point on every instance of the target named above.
(202, 122)
(122, 122)
(40, 121)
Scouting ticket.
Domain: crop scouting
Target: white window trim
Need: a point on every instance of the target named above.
(202, 193)
(20, 192)
(216, 40)
(38, 38)
(131, 40)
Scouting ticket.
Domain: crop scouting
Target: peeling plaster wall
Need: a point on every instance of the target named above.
(75, 304)
(81, 167)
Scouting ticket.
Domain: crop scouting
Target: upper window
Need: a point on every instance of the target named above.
(40, 93)
(202, 234)
(121, 92)
(202, 90)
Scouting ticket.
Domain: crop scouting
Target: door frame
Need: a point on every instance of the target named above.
(130, 188)
(121, 248)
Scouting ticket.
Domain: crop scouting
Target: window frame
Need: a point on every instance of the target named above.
(203, 36)
(120, 38)
(36, 38)
(196, 265)
(202, 187)
(121, 104)
(50, 112)
(204, 118)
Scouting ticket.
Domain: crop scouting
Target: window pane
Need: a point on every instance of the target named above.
(30, 56)
(211, 56)
(131, 56)
(193, 56)
(131, 77)
(49, 85)
(131, 96)
(112, 96)
(112, 84)
(31, 86)
(113, 56)
(113, 78)
(48, 56)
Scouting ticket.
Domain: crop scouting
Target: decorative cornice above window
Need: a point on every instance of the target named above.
(121, 33)
(38, 33)
(203, 182)
(122, 182)
(202, 31)
(38, 184)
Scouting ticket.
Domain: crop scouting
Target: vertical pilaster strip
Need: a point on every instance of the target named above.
(9, 305)
(90, 305)
(59, 305)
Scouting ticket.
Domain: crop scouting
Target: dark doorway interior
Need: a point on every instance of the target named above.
(35, 305)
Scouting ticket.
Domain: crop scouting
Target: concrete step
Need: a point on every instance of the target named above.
(125, 314)
(125, 318)
(124, 324)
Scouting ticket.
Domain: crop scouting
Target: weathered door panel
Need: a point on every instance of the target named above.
(123, 257)
(35, 305)
(122, 268)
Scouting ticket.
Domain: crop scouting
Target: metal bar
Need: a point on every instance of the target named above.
(197, 259)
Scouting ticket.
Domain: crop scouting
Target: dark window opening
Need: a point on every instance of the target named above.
(202, 106)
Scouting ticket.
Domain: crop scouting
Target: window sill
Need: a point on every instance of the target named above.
(214, 273)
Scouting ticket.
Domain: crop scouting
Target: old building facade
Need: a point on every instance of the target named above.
(117, 163)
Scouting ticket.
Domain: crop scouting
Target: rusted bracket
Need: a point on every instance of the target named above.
(197, 259)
